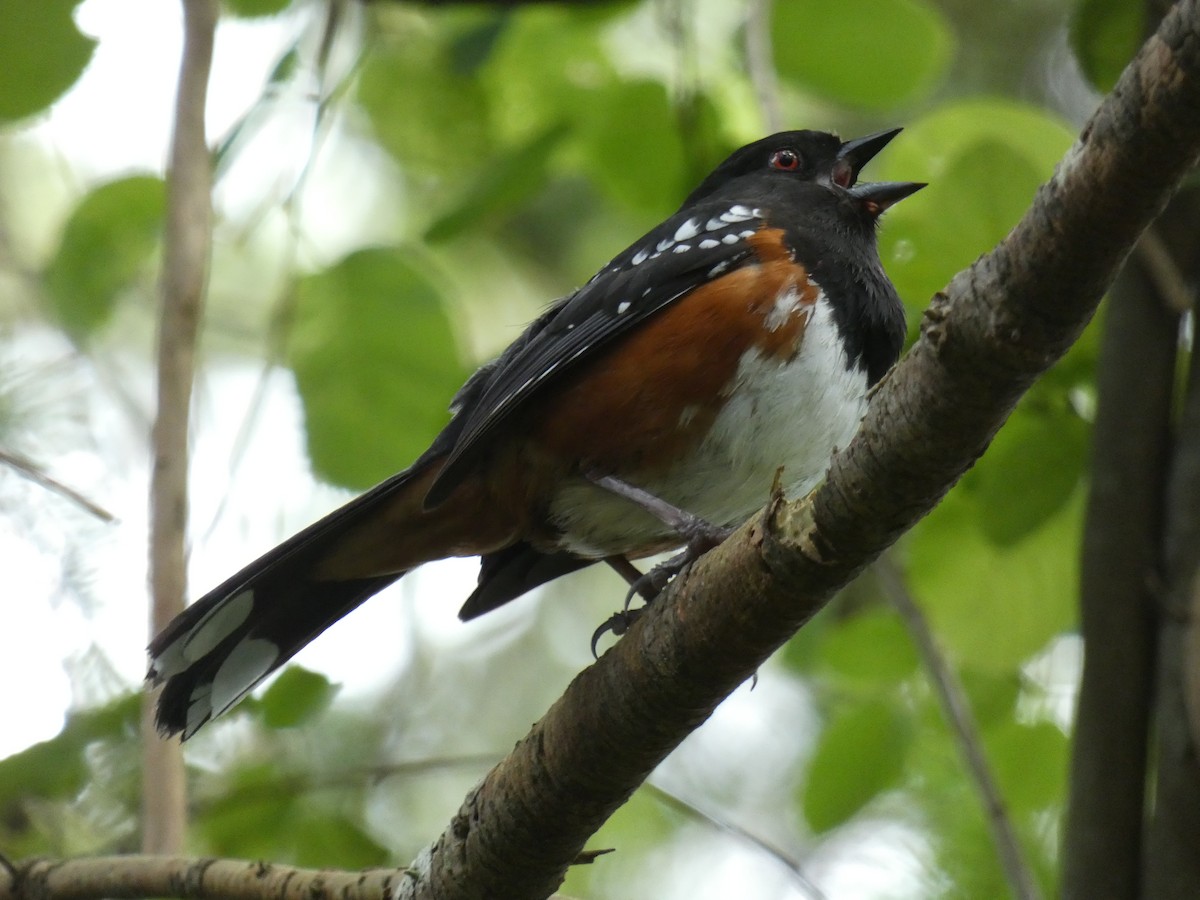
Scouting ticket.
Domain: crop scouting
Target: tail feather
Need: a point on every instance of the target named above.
(242, 638)
(228, 641)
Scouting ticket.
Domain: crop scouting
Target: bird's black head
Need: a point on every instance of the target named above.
(816, 157)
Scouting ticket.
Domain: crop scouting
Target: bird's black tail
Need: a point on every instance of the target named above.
(232, 638)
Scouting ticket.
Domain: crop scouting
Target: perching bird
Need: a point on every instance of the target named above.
(649, 409)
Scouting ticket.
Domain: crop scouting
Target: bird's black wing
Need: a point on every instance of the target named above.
(695, 246)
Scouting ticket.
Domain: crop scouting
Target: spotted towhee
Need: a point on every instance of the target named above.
(651, 408)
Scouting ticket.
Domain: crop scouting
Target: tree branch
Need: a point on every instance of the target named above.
(166, 876)
(760, 63)
(27, 468)
(984, 340)
(1171, 869)
(957, 710)
(1119, 571)
(185, 267)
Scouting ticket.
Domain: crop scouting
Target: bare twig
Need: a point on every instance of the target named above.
(957, 710)
(777, 853)
(29, 469)
(1160, 265)
(186, 250)
(281, 313)
(166, 876)
(760, 63)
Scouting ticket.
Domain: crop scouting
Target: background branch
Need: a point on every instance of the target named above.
(165, 876)
(27, 468)
(187, 245)
(760, 64)
(1171, 867)
(957, 710)
(1119, 578)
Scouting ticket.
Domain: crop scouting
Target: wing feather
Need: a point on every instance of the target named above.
(682, 254)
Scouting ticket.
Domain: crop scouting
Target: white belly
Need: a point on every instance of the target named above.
(791, 414)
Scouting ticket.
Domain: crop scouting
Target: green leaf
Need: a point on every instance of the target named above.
(56, 768)
(980, 196)
(547, 65)
(1029, 472)
(296, 696)
(510, 178)
(993, 606)
(319, 837)
(376, 364)
(253, 9)
(873, 54)
(423, 112)
(1030, 764)
(861, 754)
(872, 647)
(1105, 35)
(983, 160)
(252, 817)
(473, 47)
(634, 148)
(105, 245)
(44, 53)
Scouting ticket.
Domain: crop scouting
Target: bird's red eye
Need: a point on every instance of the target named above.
(785, 160)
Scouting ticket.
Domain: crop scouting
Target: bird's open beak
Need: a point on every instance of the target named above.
(857, 153)
(877, 196)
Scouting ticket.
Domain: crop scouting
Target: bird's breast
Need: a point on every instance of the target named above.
(788, 399)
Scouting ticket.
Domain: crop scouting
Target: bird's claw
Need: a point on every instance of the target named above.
(616, 624)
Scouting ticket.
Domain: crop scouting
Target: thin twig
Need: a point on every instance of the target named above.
(166, 876)
(29, 469)
(958, 714)
(186, 248)
(1160, 265)
(281, 313)
(759, 63)
(695, 813)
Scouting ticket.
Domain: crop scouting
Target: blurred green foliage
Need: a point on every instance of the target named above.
(529, 145)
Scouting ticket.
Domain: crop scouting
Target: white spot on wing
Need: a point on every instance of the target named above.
(664, 244)
(241, 670)
(714, 224)
(718, 268)
(682, 248)
(709, 244)
(622, 306)
(640, 257)
(737, 213)
(730, 239)
(687, 230)
(749, 233)
(219, 624)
